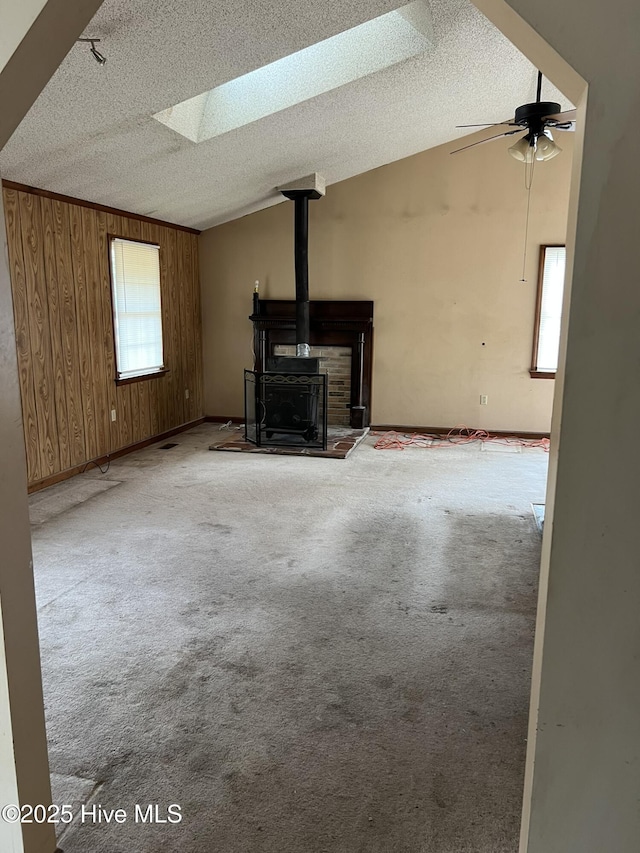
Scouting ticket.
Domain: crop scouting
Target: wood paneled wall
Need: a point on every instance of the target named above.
(59, 257)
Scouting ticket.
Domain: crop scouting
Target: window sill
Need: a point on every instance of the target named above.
(542, 374)
(142, 377)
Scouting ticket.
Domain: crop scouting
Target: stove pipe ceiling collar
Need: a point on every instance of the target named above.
(300, 191)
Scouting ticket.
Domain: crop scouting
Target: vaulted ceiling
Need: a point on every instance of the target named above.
(92, 134)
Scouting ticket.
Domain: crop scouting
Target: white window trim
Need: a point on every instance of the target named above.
(536, 371)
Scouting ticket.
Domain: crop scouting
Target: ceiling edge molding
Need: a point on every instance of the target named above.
(81, 202)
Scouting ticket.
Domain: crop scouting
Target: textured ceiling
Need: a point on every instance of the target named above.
(91, 133)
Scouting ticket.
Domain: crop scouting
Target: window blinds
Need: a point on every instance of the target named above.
(551, 308)
(135, 269)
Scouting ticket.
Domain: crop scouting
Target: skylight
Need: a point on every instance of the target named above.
(322, 67)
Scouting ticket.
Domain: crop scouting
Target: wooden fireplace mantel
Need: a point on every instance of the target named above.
(339, 323)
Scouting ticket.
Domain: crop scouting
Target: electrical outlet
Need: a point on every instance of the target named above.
(186, 393)
(113, 414)
(483, 399)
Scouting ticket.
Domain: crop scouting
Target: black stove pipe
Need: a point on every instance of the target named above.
(301, 255)
(300, 199)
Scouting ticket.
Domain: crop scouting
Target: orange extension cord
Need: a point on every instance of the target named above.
(460, 434)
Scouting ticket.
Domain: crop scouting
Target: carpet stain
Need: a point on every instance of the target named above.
(244, 670)
(488, 579)
(444, 790)
(50, 503)
(219, 528)
(413, 694)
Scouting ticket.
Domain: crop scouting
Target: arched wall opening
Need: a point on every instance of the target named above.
(582, 769)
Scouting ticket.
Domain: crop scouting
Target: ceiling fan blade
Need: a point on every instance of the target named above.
(569, 125)
(562, 118)
(487, 124)
(482, 141)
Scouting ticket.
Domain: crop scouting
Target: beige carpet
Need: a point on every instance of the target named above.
(307, 657)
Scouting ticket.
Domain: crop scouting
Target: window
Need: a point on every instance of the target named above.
(137, 312)
(315, 70)
(546, 338)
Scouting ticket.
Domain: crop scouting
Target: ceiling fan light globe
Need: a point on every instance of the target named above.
(546, 148)
(523, 150)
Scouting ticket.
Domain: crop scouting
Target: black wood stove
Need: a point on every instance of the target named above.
(286, 404)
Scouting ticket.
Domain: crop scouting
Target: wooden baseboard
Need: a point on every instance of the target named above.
(422, 430)
(103, 460)
(223, 419)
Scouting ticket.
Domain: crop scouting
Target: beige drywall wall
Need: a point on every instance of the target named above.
(15, 569)
(16, 21)
(436, 240)
(24, 770)
(36, 36)
(583, 773)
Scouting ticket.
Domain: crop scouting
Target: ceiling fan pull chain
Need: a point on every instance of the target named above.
(528, 184)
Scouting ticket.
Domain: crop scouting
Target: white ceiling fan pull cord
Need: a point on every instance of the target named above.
(528, 182)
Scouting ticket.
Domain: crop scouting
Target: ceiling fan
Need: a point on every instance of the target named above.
(537, 119)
